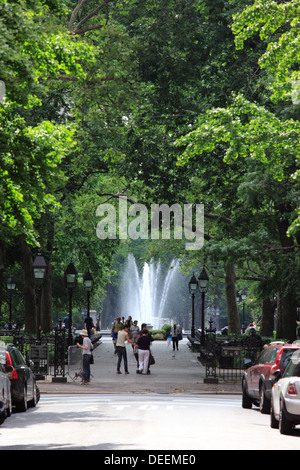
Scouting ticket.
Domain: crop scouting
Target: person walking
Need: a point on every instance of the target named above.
(86, 347)
(88, 324)
(123, 336)
(134, 332)
(143, 343)
(116, 327)
(174, 334)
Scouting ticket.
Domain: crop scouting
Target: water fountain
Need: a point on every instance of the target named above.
(144, 295)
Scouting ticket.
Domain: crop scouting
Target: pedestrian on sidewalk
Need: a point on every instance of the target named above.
(174, 333)
(134, 332)
(123, 336)
(143, 343)
(86, 347)
(116, 327)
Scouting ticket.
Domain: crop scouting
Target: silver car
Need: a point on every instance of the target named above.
(5, 388)
(285, 399)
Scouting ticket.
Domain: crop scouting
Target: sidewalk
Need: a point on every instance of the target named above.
(173, 373)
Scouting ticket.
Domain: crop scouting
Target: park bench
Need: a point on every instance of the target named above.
(194, 341)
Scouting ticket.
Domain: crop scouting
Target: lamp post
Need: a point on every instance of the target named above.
(203, 282)
(39, 270)
(243, 297)
(88, 285)
(193, 287)
(11, 286)
(70, 280)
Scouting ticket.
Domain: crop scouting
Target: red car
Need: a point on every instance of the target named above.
(258, 378)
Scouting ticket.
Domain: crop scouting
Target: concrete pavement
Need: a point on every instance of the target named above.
(172, 373)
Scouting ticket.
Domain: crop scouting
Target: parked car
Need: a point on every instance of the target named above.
(5, 388)
(24, 389)
(285, 399)
(258, 378)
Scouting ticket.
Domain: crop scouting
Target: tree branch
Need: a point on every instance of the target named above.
(75, 12)
(78, 28)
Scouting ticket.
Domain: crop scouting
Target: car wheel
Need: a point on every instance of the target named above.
(273, 421)
(33, 402)
(264, 402)
(246, 400)
(285, 426)
(22, 405)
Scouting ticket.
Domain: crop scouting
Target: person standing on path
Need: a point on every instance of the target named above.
(134, 332)
(174, 334)
(86, 347)
(116, 327)
(143, 343)
(121, 349)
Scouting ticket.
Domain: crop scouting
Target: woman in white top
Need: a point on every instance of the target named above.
(86, 347)
(121, 349)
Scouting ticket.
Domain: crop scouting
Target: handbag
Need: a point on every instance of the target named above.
(92, 359)
(151, 360)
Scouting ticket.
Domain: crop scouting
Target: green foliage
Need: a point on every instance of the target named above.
(247, 131)
(278, 22)
(29, 171)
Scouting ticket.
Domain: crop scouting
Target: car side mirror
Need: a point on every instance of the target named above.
(277, 375)
(9, 371)
(247, 363)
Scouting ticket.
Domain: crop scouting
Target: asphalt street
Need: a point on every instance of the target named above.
(120, 424)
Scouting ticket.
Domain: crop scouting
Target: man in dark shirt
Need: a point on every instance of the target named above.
(143, 343)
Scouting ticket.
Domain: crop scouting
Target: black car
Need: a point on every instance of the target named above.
(24, 389)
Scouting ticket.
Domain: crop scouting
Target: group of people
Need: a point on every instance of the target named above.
(122, 331)
(140, 339)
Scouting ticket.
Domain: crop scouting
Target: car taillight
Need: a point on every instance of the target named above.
(12, 374)
(292, 390)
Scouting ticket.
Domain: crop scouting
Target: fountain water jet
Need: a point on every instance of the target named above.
(144, 296)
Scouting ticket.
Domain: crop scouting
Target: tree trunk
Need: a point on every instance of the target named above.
(267, 319)
(46, 303)
(29, 291)
(232, 308)
(286, 318)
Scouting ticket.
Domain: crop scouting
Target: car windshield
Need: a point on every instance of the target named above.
(285, 357)
(17, 358)
(293, 367)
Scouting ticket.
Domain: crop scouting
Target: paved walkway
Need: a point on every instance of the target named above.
(173, 373)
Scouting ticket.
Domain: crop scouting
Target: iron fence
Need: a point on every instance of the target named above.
(226, 358)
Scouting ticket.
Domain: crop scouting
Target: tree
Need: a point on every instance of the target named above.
(31, 154)
(269, 147)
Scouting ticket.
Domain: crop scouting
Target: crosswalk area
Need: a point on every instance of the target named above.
(143, 402)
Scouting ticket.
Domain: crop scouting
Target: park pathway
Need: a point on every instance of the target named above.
(172, 373)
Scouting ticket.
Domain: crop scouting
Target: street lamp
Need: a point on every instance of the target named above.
(11, 286)
(39, 270)
(193, 287)
(88, 285)
(243, 297)
(203, 284)
(70, 280)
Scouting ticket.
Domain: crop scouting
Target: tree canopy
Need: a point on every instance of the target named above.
(165, 101)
